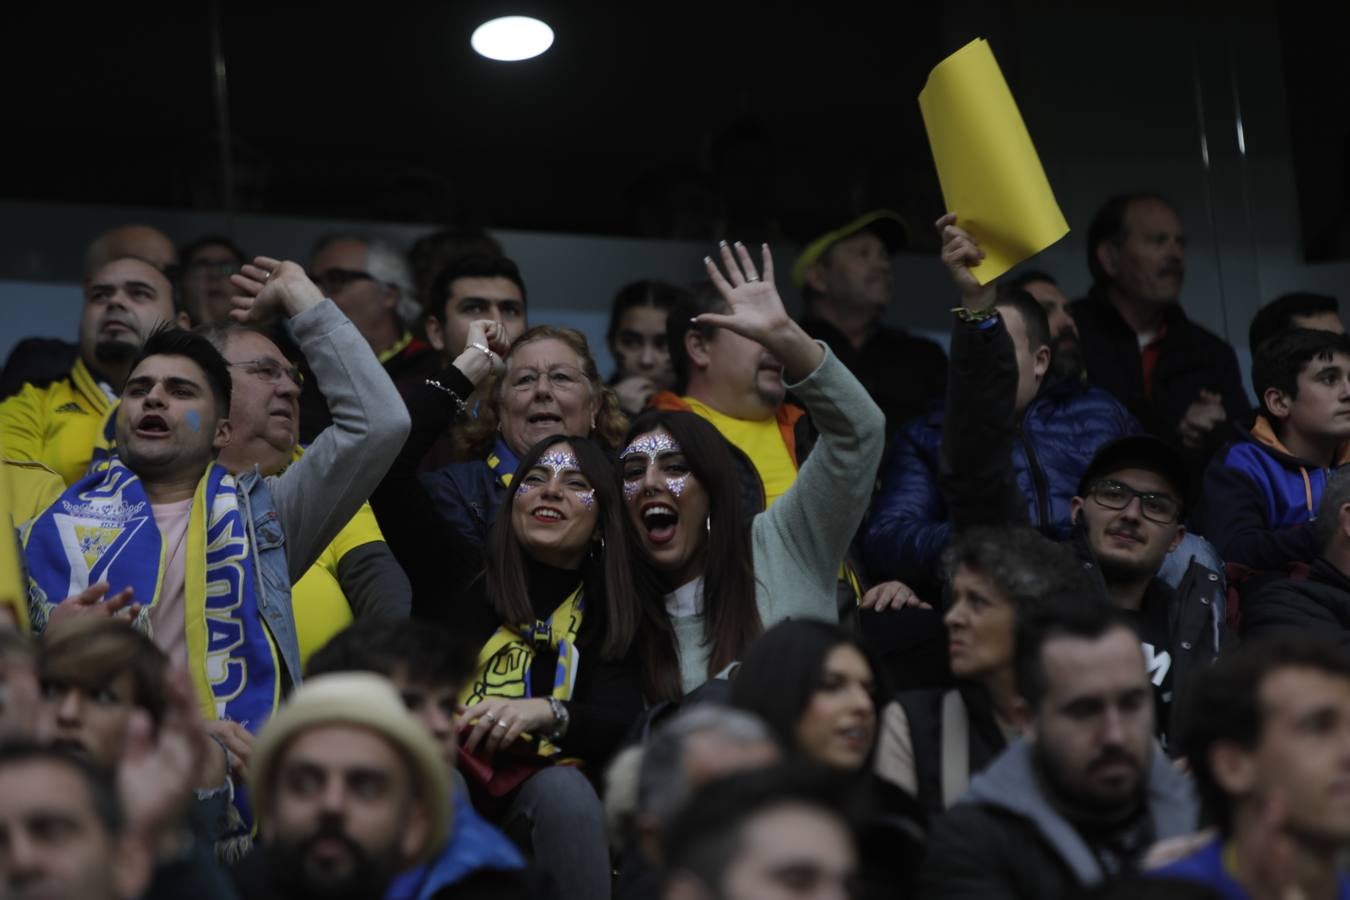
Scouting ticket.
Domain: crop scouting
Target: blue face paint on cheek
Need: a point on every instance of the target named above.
(194, 420)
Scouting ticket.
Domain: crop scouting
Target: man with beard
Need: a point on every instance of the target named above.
(61, 423)
(1003, 383)
(41, 360)
(846, 284)
(1181, 618)
(1268, 737)
(1084, 793)
(1066, 352)
(1179, 380)
(350, 790)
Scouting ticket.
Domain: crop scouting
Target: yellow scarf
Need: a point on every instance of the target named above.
(505, 661)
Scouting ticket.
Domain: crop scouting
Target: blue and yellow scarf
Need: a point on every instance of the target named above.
(506, 660)
(103, 529)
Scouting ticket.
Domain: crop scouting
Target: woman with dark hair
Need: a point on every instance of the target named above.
(819, 690)
(728, 576)
(815, 685)
(551, 607)
(637, 341)
(548, 384)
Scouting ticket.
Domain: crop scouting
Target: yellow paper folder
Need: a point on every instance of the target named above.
(990, 174)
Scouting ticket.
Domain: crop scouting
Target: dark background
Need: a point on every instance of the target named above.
(644, 119)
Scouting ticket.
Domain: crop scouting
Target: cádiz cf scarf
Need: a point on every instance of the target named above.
(505, 661)
(102, 529)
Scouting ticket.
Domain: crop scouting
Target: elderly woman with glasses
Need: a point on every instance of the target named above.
(546, 383)
(549, 385)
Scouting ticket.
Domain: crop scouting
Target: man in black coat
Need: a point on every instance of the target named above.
(1321, 602)
(1178, 379)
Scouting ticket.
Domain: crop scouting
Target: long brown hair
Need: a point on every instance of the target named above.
(730, 617)
(475, 438)
(607, 573)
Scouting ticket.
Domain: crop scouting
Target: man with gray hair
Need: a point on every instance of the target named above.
(372, 283)
(704, 743)
(1321, 602)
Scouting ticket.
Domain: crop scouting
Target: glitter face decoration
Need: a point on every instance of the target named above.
(651, 445)
(557, 462)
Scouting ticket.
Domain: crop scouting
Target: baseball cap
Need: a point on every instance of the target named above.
(888, 225)
(1139, 451)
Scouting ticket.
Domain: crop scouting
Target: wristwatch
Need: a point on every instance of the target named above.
(561, 719)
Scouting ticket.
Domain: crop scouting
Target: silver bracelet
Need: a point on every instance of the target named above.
(460, 405)
(483, 348)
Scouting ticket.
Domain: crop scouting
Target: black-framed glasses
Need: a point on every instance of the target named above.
(269, 370)
(331, 281)
(1161, 508)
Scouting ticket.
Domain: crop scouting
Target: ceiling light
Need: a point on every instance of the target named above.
(511, 38)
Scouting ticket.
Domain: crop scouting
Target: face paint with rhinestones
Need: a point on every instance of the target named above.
(651, 445)
(557, 461)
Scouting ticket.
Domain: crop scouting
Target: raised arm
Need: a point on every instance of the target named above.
(975, 468)
(319, 494)
(420, 537)
(818, 516)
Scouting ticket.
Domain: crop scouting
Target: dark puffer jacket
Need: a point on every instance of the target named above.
(1060, 431)
(1318, 604)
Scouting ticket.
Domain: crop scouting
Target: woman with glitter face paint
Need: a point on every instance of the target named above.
(727, 577)
(549, 603)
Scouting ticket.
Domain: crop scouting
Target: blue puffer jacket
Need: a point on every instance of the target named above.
(1260, 502)
(1061, 431)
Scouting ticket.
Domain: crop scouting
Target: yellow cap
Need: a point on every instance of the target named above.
(888, 225)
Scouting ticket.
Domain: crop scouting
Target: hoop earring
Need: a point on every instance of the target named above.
(707, 524)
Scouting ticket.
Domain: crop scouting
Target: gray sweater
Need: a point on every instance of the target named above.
(800, 541)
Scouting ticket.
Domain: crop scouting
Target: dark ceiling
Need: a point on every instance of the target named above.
(665, 120)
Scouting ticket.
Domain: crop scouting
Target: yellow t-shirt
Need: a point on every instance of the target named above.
(759, 440)
(321, 609)
(26, 489)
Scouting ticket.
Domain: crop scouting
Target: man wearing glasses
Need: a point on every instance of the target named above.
(356, 577)
(1126, 514)
(1127, 517)
(372, 283)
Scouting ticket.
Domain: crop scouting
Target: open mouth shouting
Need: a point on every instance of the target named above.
(660, 520)
(152, 425)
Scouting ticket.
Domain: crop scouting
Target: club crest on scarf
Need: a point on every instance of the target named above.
(505, 661)
(102, 529)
